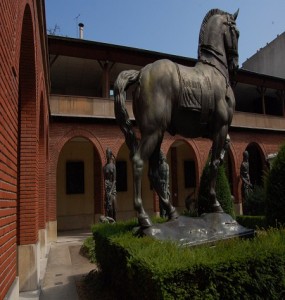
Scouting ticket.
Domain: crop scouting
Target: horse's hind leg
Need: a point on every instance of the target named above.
(138, 164)
(145, 149)
(220, 144)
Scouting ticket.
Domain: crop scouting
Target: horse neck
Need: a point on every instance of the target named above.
(208, 56)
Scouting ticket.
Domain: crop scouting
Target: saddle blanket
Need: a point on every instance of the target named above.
(195, 91)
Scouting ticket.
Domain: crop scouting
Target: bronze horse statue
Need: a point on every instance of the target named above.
(190, 101)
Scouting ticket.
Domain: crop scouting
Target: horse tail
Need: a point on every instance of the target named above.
(124, 80)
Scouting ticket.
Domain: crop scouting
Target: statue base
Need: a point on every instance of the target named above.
(192, 231)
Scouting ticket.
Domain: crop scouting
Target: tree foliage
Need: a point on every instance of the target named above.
(223, 191)
(275, 190)
(254, 203)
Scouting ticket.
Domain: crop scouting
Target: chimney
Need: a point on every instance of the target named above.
(81, 25)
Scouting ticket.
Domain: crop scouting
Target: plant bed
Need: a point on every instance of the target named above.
(144, 268)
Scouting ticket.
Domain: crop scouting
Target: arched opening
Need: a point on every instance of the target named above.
(78, 178)
(125, 207)
(28, 154)
(230, 169)
(43, 159)
(183, 175)
(228, 163)
(125, 189)
(256, 164)
(27, 147)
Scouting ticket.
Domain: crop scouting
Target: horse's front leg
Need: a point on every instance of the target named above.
(220, 145)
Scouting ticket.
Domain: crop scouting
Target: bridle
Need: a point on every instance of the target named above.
(232, 50)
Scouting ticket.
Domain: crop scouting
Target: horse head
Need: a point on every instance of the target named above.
(231, 36)
(218, 40)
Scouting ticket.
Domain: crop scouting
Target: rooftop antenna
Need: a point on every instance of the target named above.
(52, 31)
(76, 23)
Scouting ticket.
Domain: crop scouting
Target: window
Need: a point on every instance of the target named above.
(189, 174)
(74, 177)
(122, 179)
(111, 93)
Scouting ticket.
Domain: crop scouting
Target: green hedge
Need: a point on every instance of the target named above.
(254, 204)
(144, 268)
(275, 190)
(88, 249)
(252, 222)
(223, 191)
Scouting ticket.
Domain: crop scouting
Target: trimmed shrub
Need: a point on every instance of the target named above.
(275, 190)
(144, 268)
(254, 204)
(88, 249)
(252, 222)
(223, 191)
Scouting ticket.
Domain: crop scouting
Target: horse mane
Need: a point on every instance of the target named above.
(211, 13)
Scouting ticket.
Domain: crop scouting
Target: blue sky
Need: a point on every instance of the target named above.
(169, 26)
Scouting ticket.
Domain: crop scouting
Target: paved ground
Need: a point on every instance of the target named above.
(64, 266)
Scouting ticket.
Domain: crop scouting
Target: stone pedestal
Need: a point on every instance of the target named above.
(190, 231)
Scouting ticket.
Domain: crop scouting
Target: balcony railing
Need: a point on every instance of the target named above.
(258, 121)
(78, 106)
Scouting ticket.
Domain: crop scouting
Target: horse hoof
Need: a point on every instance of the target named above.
(144, 222)
(173, 214)
(217, 209)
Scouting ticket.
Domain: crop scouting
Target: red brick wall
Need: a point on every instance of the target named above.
(8, 146)
(33, 131)
(18, 218)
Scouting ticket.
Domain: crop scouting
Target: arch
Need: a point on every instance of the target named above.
(256, 163)
(42, 165)
(73, 133)
(28, 157)
(194, 144)
(78, 175)
(42, 179)
(118, 143)
(125, 206)
(183, 158)
(230, 169)
(54, 153)
(27, 136)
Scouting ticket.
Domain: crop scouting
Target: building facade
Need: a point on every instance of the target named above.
(57, 120)
(82, 117)
(269, 60)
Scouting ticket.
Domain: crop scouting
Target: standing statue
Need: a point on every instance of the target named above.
(192, 102)
(110, 185)
(246, 186)
(163, 176)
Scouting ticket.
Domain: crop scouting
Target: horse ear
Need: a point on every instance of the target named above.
(235, 14)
